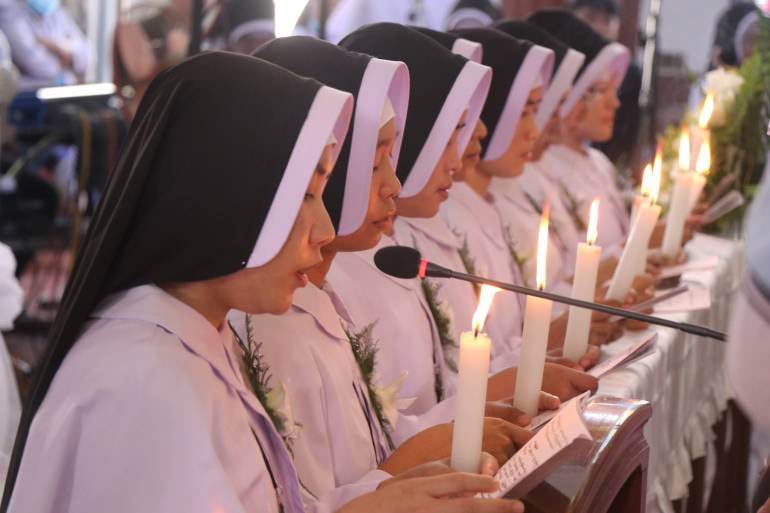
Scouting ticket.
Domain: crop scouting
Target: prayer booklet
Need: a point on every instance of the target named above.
(565, 438)
(602, 435)
(625, 357)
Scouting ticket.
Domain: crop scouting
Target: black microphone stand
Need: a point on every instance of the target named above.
(436, 271)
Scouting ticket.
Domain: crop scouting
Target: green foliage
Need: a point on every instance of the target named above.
(365, 351)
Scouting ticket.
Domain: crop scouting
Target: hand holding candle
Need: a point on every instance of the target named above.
(473, 370)
(583, 287)
(638, 240)
(537, 323)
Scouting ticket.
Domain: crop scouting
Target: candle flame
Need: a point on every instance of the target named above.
(646, 180)
(542, 247)
(593, 222)
(655, 183)
(485, 303)
(657, 165)
(684, 150)
(706, 111)
(703, 163)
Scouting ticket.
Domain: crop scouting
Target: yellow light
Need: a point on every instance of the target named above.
(706, 111)
(646, 180)
(703, 163)
(655, 185)
(542, 247)
(684, 150)
(657, 165)
(485, 303)
(593, 222)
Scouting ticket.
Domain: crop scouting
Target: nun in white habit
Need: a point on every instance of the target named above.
(349, 428)
(339, 438)
(140, 404)
(522, 198)
(581, 172)
(471, 212)
(443, 87)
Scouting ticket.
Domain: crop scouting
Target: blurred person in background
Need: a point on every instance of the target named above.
(47, 46)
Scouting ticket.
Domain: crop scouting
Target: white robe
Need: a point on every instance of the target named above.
(408, 338)
(521, 219)
(457, 299)
(149, 412)
(339, 441)
(475, 218)
(585, 177)
(535, 182)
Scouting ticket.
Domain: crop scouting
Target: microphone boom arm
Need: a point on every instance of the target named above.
(442, 272)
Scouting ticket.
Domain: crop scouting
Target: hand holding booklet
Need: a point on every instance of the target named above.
(564, 438)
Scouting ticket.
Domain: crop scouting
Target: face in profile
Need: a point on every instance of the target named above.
(426, 203)
(472, 155)
(520, 150)
(551, 133)
(601, 104)
(382, 207)
(270, 287)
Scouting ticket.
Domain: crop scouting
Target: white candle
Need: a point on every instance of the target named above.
(677, 215)
(644, 192)
(698, 180)
(638, 240)
(471, 398)
(700, 132)
(583, 287)
(537, 323)
(655, 174)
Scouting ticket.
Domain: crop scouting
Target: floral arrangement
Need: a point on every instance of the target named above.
(275, 400)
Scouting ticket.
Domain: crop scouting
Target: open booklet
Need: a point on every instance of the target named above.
(625, 357)
(565, 438)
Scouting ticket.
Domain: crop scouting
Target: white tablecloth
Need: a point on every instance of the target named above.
(683, 378)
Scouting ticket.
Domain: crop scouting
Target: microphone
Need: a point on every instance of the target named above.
(405, 262)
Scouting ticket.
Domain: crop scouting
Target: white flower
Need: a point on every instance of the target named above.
(278, 401)
(388, 396)
(724, 84)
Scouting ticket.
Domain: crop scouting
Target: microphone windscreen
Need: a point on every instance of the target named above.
(398, 261)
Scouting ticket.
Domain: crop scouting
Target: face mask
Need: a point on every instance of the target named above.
(43, 7)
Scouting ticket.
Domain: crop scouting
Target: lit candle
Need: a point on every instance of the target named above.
(473, 371)
(698, 180)
(700, 132)
(687, 189)
(638, 240)
(583, 287)
(537, 322)
(657, 172)
(644, 191)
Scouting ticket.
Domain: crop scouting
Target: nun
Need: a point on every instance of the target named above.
(140, 403)
(444, 88)
(349, 424)
(503, 139)
(588, 113)
(522, 198)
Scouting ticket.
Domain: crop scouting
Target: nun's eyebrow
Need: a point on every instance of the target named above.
(534, 102)
(319, 169)
(460, 126)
